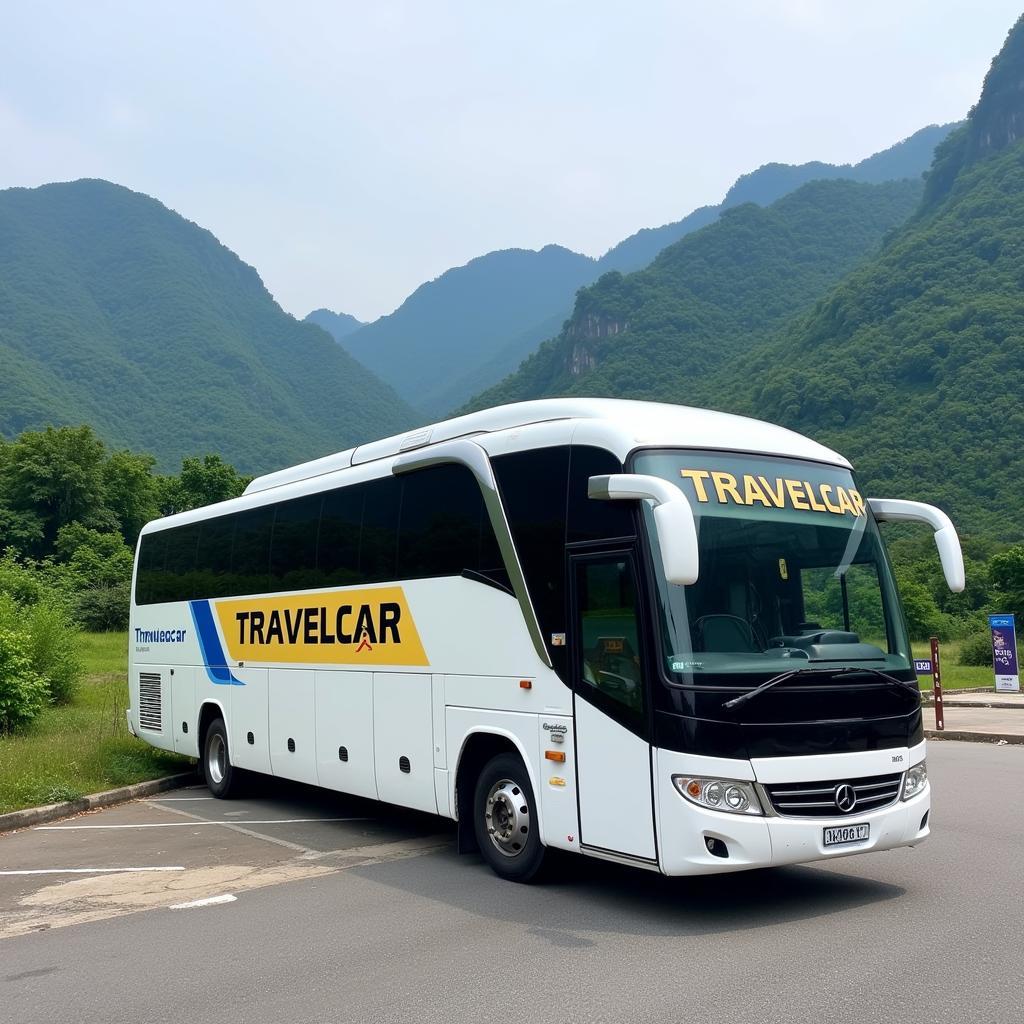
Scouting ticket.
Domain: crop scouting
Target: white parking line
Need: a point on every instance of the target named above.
(176, 799)
(191, 824)
(208, 902)
(85, 871)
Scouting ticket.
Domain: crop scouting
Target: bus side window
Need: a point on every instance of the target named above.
(213, 558)
(337, 557)
(250, 554)
(151, 581)
(609, 647)
(440, 528)
(293, 547)
(378, 546)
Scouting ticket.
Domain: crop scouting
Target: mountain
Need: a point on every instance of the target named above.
(117, 312)
(712, 296)
(337, 325)
(468, 329)
(907, 159)
(448, 328)
(914, 365)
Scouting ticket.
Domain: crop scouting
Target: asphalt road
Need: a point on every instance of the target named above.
(375, 918)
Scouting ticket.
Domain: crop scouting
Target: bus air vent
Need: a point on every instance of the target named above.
(150, 702)
(404, 765)
(342, 753)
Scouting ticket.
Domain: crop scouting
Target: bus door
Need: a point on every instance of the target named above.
(613, 757)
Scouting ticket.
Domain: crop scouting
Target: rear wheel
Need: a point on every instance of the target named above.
(505, 819)
(222, 777)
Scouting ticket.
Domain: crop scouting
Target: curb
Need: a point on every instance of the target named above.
(973, 737)
(51, 812)
(999, 705)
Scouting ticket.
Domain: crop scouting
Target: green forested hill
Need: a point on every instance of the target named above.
(710, 297)
(496, 306)
(914, 365)
(337, 325)
(472, 326)
(117, 312)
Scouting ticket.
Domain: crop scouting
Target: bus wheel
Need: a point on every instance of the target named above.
(222, 778)
(505, 819)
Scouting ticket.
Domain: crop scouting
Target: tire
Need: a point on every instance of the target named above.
(223, 779)
(505, 820)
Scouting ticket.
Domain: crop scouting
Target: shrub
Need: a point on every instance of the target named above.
(103, 609)
(977, 649)
(23, 692)
(53, 641)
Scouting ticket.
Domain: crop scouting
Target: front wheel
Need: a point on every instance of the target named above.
(505, 819)
(222, 777)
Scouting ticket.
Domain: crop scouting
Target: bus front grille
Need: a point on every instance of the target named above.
(150, 702)
(832, 799)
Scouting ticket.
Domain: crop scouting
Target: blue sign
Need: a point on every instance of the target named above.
(923, 666)
(1004, 652)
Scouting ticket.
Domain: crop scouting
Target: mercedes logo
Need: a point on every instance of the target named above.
(845, 797)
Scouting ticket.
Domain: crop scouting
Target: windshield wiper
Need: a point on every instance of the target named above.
(784, 676)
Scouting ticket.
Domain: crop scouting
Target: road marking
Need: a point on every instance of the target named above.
(176, 799)
(84, 871)
(189, 824)
(208, 902)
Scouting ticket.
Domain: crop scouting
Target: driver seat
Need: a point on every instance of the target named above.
(727, 634)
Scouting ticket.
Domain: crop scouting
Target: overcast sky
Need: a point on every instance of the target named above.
(352, 150)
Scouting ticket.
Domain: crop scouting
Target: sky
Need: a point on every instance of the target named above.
(350, 151)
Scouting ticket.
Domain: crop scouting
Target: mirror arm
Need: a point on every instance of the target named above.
(896, 510)
(673, 518)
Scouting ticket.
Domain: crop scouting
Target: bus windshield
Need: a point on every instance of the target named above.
(793, 573)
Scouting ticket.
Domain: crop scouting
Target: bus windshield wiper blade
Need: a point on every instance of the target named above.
(846, 670)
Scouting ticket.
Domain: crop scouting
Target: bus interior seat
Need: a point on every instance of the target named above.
(726, 633)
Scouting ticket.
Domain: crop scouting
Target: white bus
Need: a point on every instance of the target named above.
(653, 634)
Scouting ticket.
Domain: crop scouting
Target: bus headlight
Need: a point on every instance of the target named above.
(719, 794)
(915, 780)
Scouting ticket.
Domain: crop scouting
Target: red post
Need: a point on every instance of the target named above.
(937, 686)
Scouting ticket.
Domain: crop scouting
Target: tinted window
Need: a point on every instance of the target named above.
(150, 581)
(589, 518)
(250, 555)
(213, 557)
(379, 538)
(533, 490)
(293, 548)
(181, 562)
(338, 547)
(442, 509)
(608, 650)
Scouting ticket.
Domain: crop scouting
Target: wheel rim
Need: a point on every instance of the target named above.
(507, 817)
(216, 758)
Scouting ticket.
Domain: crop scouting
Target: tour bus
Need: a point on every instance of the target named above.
(653, 634)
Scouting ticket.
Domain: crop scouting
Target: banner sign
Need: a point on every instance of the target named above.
(1004, 652)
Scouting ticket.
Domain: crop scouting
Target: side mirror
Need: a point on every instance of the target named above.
(893, 510)
(673, 519)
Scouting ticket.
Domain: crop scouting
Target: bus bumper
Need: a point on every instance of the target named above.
(694, 840)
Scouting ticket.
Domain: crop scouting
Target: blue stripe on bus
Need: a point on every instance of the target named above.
(209, 643)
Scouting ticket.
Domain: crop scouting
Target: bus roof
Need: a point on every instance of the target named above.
(628, 424)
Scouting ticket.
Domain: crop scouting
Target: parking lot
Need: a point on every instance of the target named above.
(308, 906)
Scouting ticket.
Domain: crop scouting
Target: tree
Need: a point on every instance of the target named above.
(56, 475)
(1006, 570)
(201, 482)
(129, 491)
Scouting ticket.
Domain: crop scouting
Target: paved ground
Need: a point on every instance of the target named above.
(976, 717)
(378, 919)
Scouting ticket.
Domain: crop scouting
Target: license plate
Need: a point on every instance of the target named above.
(840, 835)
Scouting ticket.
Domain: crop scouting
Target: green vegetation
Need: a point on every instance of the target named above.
(117, 312)
(82, 747)
(912, 365)
(70, 514)
(716, 294)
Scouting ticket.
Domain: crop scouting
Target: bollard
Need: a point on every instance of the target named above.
(937, 685)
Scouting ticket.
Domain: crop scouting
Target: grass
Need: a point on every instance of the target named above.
(83, 747)
(954, 675)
